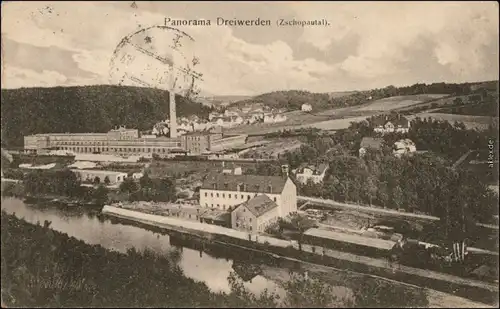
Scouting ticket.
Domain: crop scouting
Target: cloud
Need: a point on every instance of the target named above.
(14, 77)
(389, 32)
(367, 44)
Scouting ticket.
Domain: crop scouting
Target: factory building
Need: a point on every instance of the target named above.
(126, 142)
(225, 191)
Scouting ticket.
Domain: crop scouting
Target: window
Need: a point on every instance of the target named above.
(244, 210)
(223, 195)
(206, 194)
(275, 199)
(206, 204)
(217, 194)
(211, 194)
(250, 220)
(248, 197)
(218, 205)
(229, 195)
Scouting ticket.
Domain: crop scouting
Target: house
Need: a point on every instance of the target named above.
(230, 170)
(404, 146)
(370, 142)
(390, 123)
(269, 118)
(236, 120)
(223, 191)
(306, 107)
(90, 175)
(213, 115)
(219, 121)
(232, 112)
(255, 214)
(314, 173)
(137, 176)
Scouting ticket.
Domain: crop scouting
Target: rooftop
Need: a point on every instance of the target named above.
(396, 119)
(99, 172)
(244, 183)
(259, 205)
(349, 238)
(316, 169)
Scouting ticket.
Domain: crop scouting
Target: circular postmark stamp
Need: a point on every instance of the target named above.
(159, 57)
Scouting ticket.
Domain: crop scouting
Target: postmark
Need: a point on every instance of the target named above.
(159, 57)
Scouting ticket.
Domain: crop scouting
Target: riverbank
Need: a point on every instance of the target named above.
(93, 276)
(479, 291)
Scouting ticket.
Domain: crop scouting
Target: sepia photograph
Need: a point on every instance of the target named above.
(259, 154)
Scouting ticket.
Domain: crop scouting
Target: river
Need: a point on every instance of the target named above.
(89, 226)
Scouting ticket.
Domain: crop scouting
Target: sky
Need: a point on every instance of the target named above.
(366, 45)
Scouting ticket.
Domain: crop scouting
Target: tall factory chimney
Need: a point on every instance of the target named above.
(173, 115)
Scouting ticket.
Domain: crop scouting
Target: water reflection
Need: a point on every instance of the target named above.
(89, 226)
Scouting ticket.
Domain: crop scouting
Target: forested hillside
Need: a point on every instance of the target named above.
(293, 99)
(85, 109)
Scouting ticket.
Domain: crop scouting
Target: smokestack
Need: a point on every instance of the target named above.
(173, 116)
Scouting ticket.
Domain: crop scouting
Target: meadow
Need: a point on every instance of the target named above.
(337, 118)
(396, 102)
(470, 122)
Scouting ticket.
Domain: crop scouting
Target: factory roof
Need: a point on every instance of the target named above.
(102, 172)
(349, 238)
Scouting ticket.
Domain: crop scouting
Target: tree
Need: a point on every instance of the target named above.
(128, 186)
(312, 293)
(163, 190)
(107, 181)
(100, 194)
(145, 181)
(458, 101)
(97, 180)
(301, 224)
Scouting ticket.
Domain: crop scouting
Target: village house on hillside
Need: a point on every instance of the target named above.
(306, 107)
(274, 118)
(306, 172)
(404, 146)
(390, 123)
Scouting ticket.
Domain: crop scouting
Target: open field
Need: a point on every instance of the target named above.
(337, 118)
(396, 102)
(480, 109)
(471, 122)
(335, 124)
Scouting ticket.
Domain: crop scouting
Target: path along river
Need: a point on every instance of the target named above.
(212, 268)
